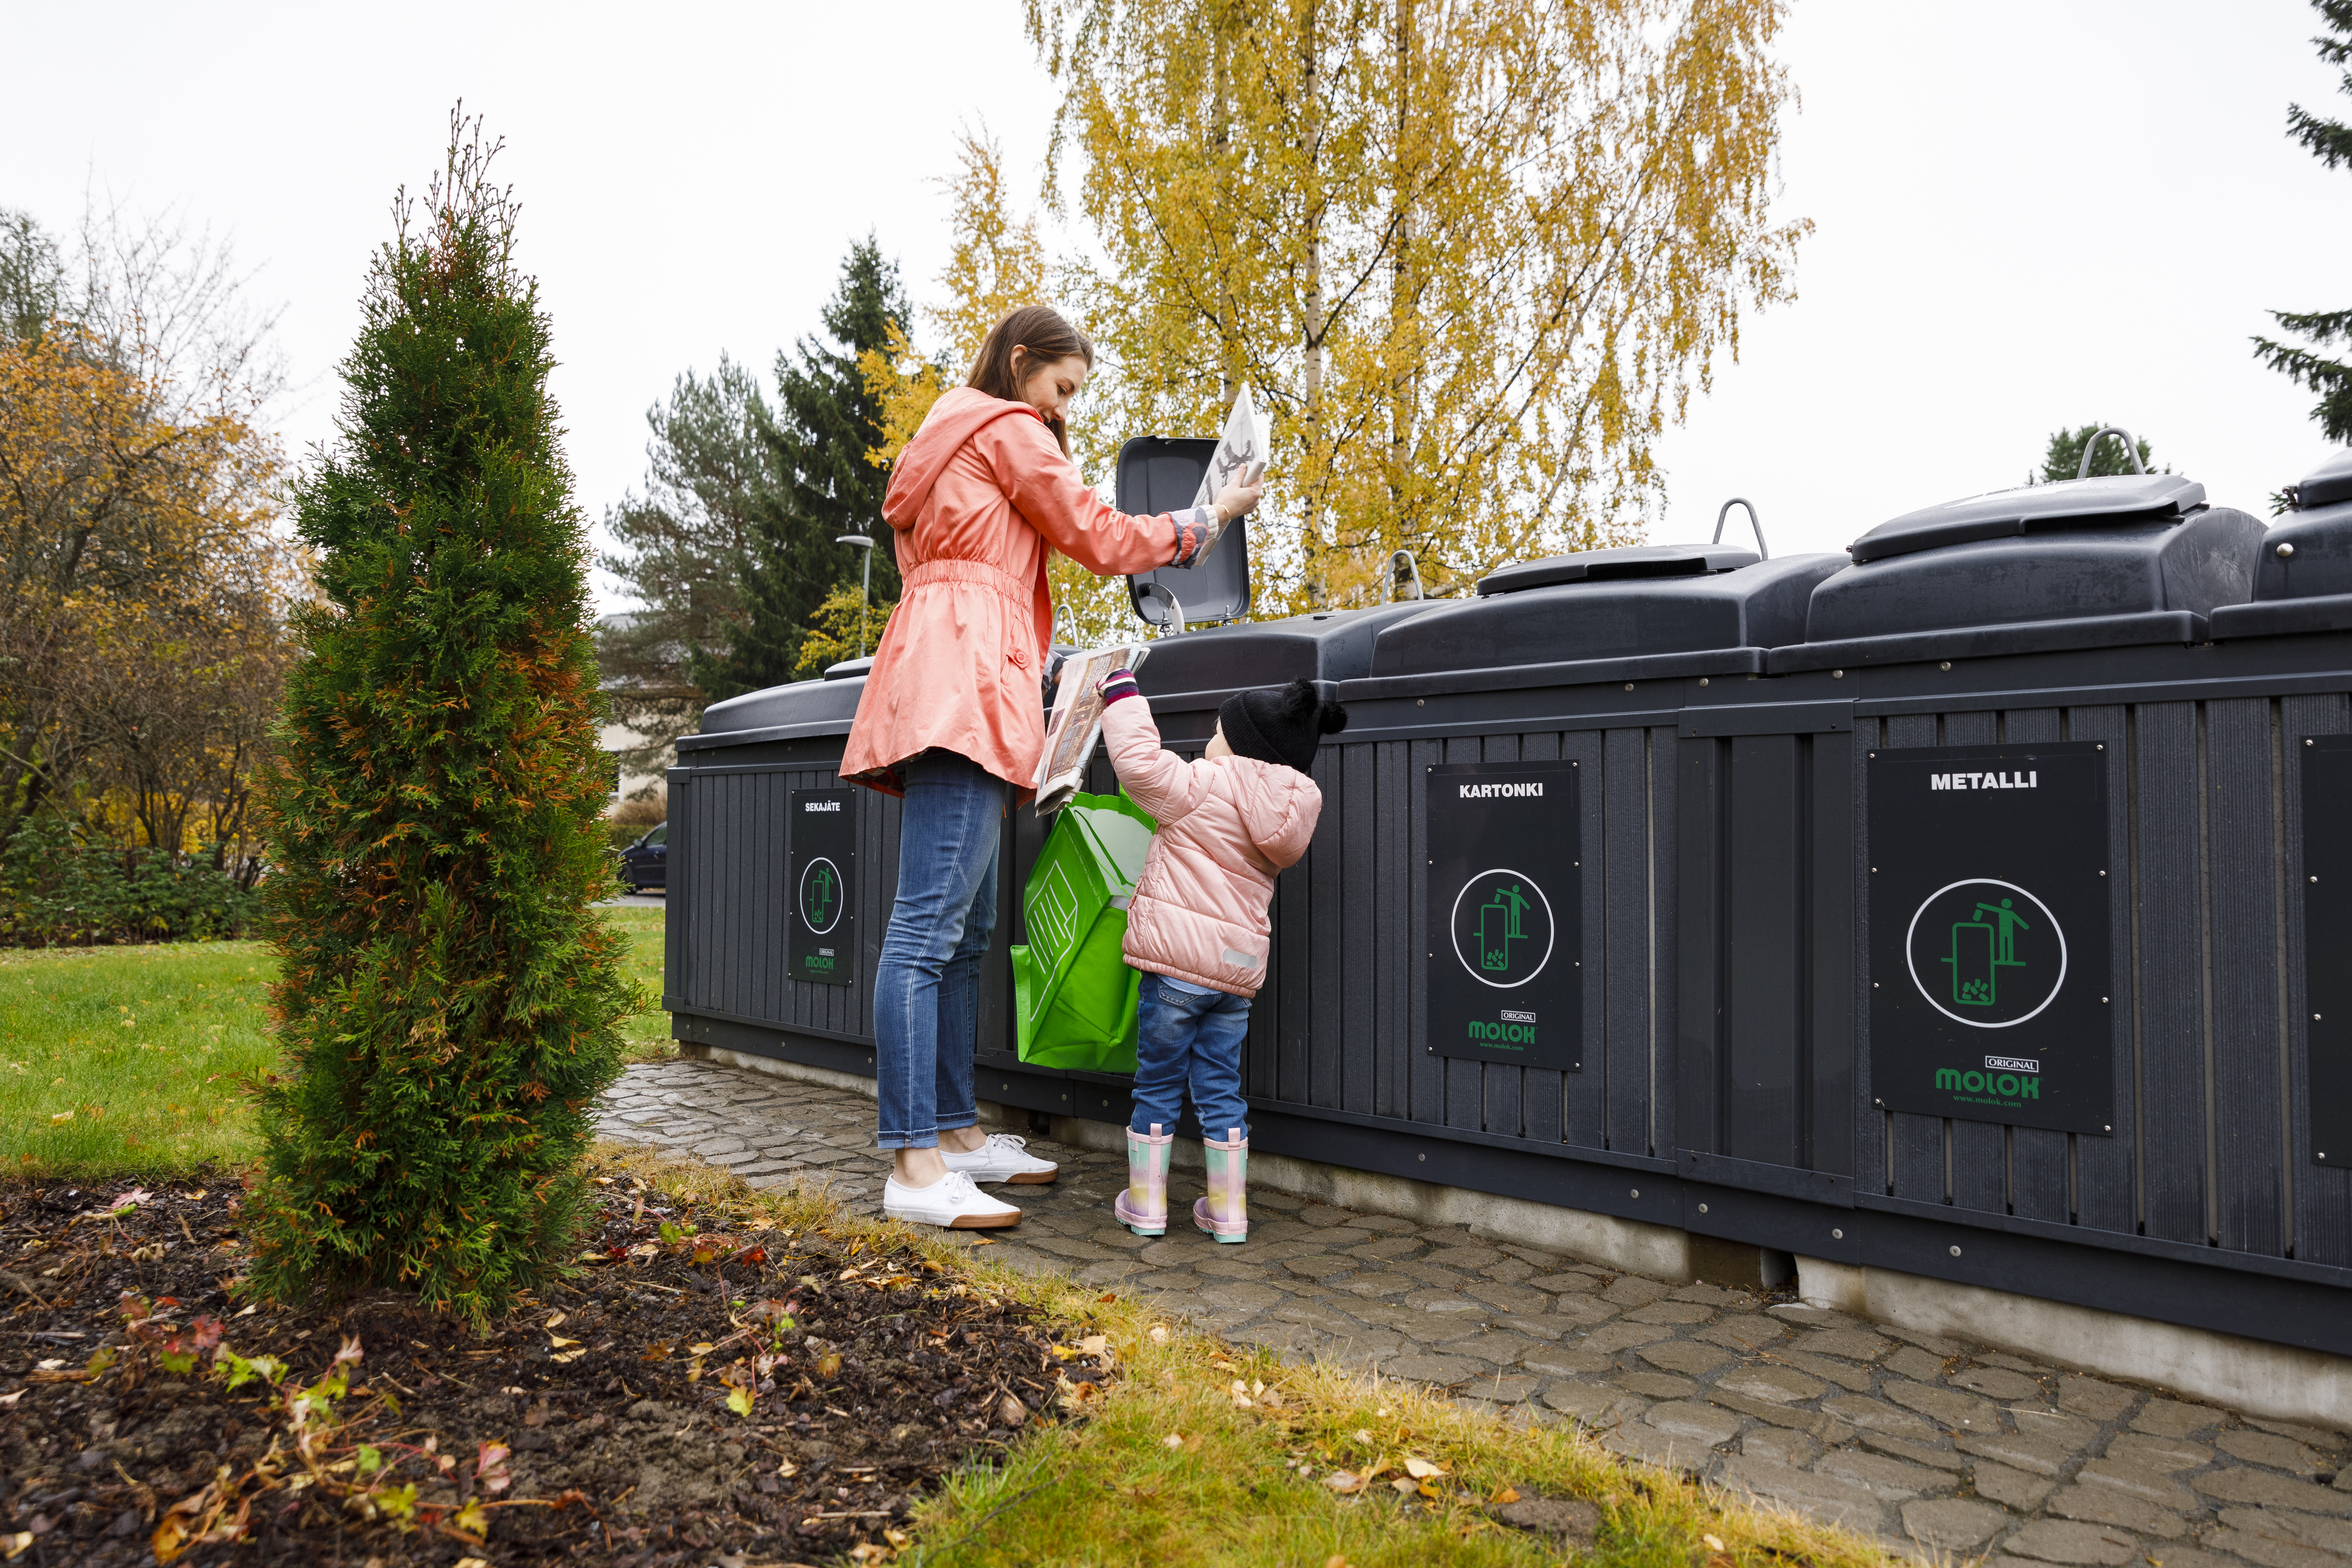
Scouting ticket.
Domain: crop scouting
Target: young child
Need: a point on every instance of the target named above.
(1197, 925)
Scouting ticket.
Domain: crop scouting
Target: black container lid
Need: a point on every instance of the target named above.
(1596, 617)
(1163, 473)
(1617, 564)
(2117, 500)
(788, 712)
(2326, 484)
(1209, 666)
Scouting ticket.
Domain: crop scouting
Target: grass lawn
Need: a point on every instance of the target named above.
(128, 1060)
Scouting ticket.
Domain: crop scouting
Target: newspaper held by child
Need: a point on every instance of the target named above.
(1076, 724)
(1240, 456)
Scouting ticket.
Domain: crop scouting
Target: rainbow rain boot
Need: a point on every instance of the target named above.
(1143, 1207)
(1225, 1213)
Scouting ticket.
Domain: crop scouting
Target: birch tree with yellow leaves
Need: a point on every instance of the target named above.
(1472, 259)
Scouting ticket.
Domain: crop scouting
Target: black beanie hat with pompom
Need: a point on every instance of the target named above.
(1283, 725)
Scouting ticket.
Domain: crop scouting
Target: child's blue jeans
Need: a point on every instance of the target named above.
(1188, 1036)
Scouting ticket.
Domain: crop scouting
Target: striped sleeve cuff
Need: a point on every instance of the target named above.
(1120, 683)
(1196, 529)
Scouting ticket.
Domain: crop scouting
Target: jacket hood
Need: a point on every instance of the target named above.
(950, 423)
(1274, 801)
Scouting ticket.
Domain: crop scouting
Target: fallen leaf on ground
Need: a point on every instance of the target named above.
(1421, 1470)
(1159, 1333)
(1346, 1482)
(1173, 1440)
(554, 1322)
(1405, 1484)
(1507, 1494)
(1713, 1543)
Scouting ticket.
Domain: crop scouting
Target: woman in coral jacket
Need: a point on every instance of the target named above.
(951, 720)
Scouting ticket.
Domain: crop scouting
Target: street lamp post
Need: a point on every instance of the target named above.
(864, 545)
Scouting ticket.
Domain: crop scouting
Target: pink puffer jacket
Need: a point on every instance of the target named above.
(1227, 826)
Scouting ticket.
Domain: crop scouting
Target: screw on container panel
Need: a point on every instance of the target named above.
(1702, 681)
(2110, 1129)
(1420, 702)
(2307, 740)
(2102, 873)
(1956, 1252)
(1837, 1234)
(1637, 1192)
(2103, 999)
(2101, 746)
(2286, 550)
(1946, 665)
(1837, 675)
(1874, 985)
(1878, 1102)
(1702, 1208)
(1421, 1156)
(1629, 686)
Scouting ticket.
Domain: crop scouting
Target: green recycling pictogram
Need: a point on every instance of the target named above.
(1981, 949)
(820, 895)
(1502, 920)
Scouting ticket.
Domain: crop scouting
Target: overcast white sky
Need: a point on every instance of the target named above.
(2028, 215)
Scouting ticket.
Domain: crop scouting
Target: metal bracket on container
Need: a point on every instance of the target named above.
(2131, 449)
(1402, 568)
(1175, 617)
(1754, 522)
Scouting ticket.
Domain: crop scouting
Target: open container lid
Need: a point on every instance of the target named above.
(1163, 473)
(2303, 574)
(1647, 613)
(2122, 561)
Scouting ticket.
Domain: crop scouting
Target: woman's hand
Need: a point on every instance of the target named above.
(1237, 500)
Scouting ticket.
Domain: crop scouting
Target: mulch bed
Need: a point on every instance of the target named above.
(715, 1389)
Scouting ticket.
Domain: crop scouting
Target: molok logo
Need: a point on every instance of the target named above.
(2028, 779)
(2009, 1086)
(1502, 1033)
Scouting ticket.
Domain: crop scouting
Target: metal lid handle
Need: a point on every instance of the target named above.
(2131, 449)
(1753, 521)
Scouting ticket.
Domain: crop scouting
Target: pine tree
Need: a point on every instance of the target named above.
(2329, 141)
(828, 418)
(446, 997)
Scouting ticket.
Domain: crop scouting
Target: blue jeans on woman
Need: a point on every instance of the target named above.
(1187, 1035)
(927, 987)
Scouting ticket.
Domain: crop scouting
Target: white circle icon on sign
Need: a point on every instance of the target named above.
(1502, 928)
(1994, 954)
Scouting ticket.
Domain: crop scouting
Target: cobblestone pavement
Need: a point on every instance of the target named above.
(1921, 1439)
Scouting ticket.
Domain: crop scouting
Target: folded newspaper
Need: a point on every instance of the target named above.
(1240, 456)
(1076, 721)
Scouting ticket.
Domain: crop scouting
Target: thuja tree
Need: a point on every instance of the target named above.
(446, 997)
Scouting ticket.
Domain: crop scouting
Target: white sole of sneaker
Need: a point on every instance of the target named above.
(961, 1221)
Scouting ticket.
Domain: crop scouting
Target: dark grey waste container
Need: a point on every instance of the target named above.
(2006, 859)
(1553, 987)
(781, 879)
(2303, 575)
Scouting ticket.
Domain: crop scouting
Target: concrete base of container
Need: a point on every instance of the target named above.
(1658, 1251)
(2278, 1381)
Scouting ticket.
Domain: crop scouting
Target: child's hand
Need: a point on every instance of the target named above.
(1118, 683)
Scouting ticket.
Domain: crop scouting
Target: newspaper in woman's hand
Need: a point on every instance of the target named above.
(1241, 454)
(1076, 723)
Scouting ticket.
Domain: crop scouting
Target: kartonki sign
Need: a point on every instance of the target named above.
(821, 830)
(1991, 993)
(1504, 913)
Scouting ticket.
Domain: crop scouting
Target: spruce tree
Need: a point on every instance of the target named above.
(447, 998)
(826, 422)
(2329, 141)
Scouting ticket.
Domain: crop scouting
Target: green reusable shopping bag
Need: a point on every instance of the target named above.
(1074, 997)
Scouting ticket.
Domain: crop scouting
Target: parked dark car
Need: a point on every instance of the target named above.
(646, 864)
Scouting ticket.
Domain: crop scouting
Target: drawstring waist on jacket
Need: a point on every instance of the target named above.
(1023, 596)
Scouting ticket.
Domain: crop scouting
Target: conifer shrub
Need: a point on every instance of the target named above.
(448, 999)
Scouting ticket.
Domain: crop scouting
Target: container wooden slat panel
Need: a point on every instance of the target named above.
(1871, 1154)
(1569, 1106)
(2169, 973)
(1622, 979)
(1761, 1014)
(1663, 1042)
(1919, 1141)
(1358, 926)
(1325, 869)
(2106, 1166)
(1425, 1072)
(1830, 1002)
(2323, 1196)
(2038, 1157)
(1464, 1080)
(2248, 1121)
(1392, 931)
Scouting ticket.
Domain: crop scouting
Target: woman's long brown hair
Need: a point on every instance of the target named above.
(1049, 338)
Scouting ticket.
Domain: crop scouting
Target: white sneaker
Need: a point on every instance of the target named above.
(952, 1202)
(1005, 1157)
